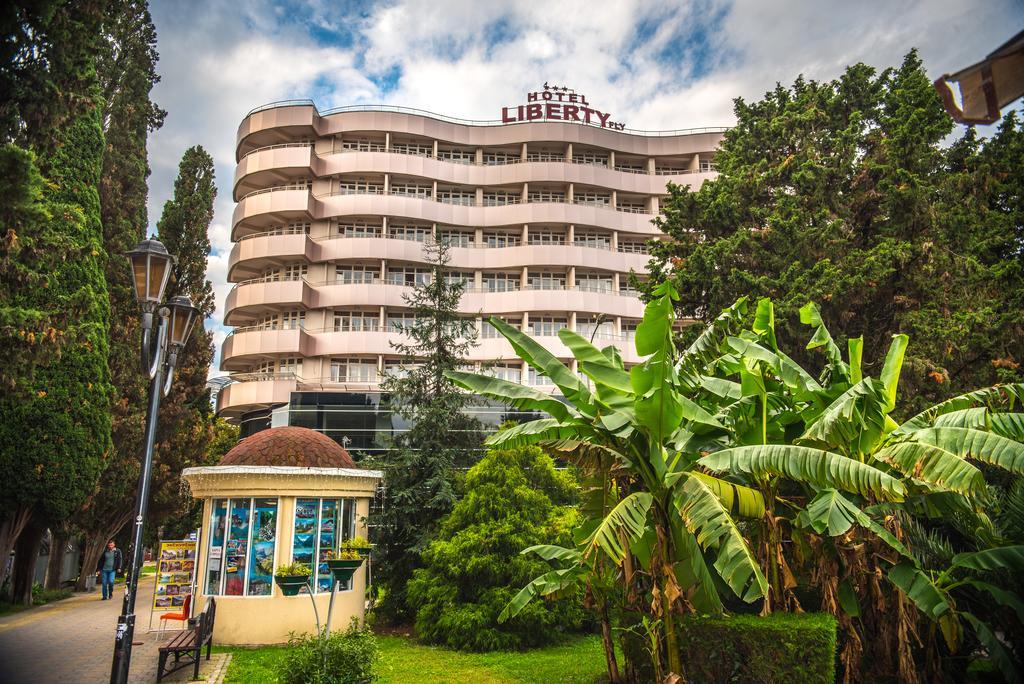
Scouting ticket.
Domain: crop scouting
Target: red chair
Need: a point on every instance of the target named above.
(183, 616)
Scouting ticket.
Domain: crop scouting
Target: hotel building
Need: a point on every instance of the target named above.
(545, 214)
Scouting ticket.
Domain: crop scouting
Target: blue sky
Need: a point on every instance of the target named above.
(653, 65)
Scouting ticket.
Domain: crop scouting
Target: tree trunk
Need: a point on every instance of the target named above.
(93, 550)
(55, 566)
(26, 554)
(11, 525)
(609, 644)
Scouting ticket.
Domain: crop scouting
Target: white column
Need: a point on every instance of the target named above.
(387, 140)
(695, 163)
(568, 152)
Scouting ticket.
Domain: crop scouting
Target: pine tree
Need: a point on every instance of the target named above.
(419, 474)
(127, 72)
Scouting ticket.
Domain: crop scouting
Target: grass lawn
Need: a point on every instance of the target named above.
(577, 661)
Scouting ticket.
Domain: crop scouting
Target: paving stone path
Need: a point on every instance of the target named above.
(73, 640)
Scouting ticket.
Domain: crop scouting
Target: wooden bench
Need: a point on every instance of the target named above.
(187, 646)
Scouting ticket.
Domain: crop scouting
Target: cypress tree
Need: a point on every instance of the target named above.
(127, 73)
(55, 438)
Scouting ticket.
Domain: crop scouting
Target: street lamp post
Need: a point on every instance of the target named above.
(165, 330)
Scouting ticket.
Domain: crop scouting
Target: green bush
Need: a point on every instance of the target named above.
(514, 499)
(748, 648)
(341, 658)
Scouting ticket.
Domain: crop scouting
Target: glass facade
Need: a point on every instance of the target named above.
(320, 527)
(243, 538)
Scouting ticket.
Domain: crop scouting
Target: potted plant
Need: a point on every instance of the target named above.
(292, 577)
(358, 544)
(344, 563)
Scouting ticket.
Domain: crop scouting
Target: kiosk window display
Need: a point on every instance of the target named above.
(320, 527)
(243, 533)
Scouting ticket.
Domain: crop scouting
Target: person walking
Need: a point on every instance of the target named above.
(109, 565)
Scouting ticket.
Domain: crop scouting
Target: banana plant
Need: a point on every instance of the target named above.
(935, 595)
(674, 522)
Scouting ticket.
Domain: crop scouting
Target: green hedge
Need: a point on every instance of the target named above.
(747, 648)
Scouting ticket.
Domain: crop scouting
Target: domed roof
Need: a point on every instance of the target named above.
(289, 446)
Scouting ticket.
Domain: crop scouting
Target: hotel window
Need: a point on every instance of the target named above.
(587, 327)
(498, 240)
(535, 378)
(499, 158)
(287, 365)
(410, 276)
(546, 326)
(299, 184)
(412, 190)
(465, 198)
(357, 274)
(320, 526)
(458, 156)
(417, 149)
(465, 277)
(546, 196)
(290, 229)
(409, 232)
(626, 288)
(500, 198)
(592, 199)
(593, 282)
(241, 552)
(353, 370)
(488, 331)
(293, 320)
(590, 157)
(545, 156)
(500, 282)
(630, 166)
(546, 237)
(270, 322)
(362, 145)
(707, 166)
(360, 186)
(632, 206)
(547, 280)
(504, 371)
(398, 321)
(357, 230)
(592, 240)
(457, 238)
(634, 246)
(356, 321)
(293, 272)
(397, 368)
(629, 328)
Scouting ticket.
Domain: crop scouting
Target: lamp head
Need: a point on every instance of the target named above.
(183, 316)
(151, 269)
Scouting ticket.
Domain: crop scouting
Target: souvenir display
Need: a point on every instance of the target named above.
(176, 566)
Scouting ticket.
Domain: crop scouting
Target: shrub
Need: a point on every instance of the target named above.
(340, 658)
(781, 647)
(293, 569)
(514, 499)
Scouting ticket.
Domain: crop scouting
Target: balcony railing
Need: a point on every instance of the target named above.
(277, 147)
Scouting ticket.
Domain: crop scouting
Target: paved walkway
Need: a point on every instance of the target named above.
(73, 641)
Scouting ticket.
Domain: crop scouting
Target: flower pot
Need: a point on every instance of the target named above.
(344, 569)
(290, 585)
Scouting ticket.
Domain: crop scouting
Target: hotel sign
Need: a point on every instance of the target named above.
(558, 103)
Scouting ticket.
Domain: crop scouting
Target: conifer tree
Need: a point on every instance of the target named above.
(127, 72)
(843, 193)
(419, 474)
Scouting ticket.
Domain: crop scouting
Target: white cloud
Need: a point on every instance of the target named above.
(468, 58)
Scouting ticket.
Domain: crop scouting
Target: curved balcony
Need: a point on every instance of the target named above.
(257, 296)
(280, 205)
(286, 121)
(250, 391)
(265, 167)
(272, 206)
(254, 254)
(274, 165)
(245, 347)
